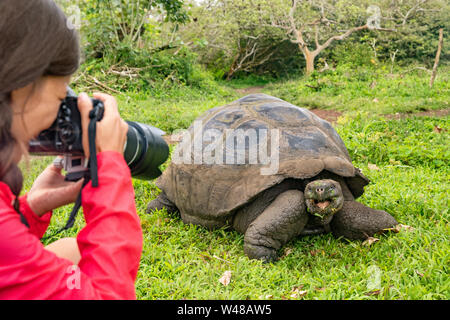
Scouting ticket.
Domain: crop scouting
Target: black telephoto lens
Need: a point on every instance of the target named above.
(145, 150)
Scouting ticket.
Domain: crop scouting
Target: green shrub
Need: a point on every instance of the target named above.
(353, 53)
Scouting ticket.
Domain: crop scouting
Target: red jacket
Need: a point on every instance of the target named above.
(110, 244)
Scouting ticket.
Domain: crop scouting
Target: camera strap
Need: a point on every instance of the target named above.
(92, 175)
(73, 214)
(94, 116)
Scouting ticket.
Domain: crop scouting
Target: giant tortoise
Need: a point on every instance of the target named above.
(312, 190)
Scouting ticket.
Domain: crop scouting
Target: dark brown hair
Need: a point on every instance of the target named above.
(35, 41)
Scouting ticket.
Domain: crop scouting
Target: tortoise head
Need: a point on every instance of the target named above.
(323, 199)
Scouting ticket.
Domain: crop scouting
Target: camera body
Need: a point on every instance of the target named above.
(144, 152)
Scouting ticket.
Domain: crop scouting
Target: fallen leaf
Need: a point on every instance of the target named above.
(315, 252)
(297, 292)
(373, 293)
(218, 258)
(437, 129)
(419, 273)
(370, 240)
(226, 278)
(400, 227)
(372, 166)
(205, 257)
(406, 227)
(287, 251)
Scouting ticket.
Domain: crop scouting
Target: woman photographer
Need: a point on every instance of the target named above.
(38, 54)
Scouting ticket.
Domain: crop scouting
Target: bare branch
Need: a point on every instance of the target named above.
(415, 68)
(316, 36)
(327, 43)
(291, 15)
(412, 11)
(280, 26)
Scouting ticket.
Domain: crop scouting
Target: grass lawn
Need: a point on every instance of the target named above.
(407, 161)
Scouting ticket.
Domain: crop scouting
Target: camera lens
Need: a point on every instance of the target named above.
(145, 150)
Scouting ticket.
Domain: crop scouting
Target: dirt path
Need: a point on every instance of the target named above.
(250, 90)
(430, 113)
(333, 115)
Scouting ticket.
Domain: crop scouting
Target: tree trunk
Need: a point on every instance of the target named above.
(232, 69)
(438, 54)
(309, 57)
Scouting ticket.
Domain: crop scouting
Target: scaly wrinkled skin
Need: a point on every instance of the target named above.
(356, 221)
(280, 222)
(284, 212)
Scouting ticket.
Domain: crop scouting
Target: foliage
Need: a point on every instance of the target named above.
(229, 38)
(228, 29)
(144, 71)
(127, 45)
(119, 23)
(417, 39)
(169, 41)
(352, 53)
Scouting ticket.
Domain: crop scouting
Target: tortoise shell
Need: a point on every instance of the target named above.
(305, 145)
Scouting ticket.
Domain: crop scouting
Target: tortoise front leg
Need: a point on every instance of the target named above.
(357, 221)
(162, 202)
(279, 223)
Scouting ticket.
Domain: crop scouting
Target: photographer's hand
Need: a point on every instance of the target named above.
(111, 130)
(51, 191)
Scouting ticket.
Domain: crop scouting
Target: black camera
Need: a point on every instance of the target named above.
(145, 149)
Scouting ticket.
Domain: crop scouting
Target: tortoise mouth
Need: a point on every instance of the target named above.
(324, 209)
(321, 204)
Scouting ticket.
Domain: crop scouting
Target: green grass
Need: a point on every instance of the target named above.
(412, 183)
(371, 90)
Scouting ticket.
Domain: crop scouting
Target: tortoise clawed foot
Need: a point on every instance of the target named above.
(154, 205)
(160, 203)
(262, 253)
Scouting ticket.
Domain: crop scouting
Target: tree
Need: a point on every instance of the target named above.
(314, 25)
(228, 37)
(416, 38)
(115, 24)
